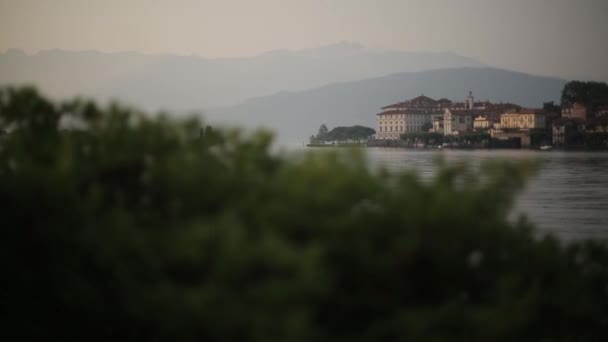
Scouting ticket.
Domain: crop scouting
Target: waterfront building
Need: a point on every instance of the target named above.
(524, 119)
(599, 123)
(575, 111)
(438, 124)
(564, 129)
(440, 116)
(407, 116)
(460, 116)
(481, 123)
(457, 121)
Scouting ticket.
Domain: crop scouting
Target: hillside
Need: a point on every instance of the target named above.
(186, 82)
(297, 115)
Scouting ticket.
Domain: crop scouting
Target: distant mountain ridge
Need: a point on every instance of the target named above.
(297, 115)
(186, 82)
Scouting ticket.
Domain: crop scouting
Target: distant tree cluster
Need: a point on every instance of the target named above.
(352, 134)
(132, 227)
(594, 96)
(591, 94)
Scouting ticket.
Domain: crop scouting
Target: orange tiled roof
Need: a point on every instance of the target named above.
(415, 102)
(425, 105)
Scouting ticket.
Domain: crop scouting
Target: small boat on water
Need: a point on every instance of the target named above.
(546, 147)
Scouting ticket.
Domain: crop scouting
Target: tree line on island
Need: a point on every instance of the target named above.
(592, 94)
(342, 135)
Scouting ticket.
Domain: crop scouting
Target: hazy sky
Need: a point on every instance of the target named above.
(567, 38)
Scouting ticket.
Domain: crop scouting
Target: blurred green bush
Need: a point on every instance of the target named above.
(117, 225)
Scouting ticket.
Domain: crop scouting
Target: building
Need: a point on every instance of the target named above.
(440, 116)
(524, 119)
(481, 123)
(575, 111)
(438, 124)
(457, 121)
(408, 116)
(599, 123)
(566, 131)
(461, 116)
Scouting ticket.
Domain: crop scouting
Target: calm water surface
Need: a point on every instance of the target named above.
(568, 197)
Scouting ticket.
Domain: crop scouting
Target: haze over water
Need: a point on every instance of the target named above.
(567, 197)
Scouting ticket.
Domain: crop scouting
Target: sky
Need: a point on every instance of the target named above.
(565, 38)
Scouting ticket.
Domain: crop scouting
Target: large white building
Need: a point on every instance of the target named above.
(441, 116)
(408, 116)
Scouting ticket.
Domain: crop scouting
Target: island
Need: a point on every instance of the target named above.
(579, 121)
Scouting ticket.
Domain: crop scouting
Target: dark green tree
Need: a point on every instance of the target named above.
(350, 134)
(591, 94)
(322, 134)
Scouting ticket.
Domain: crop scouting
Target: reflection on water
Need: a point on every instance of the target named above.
(569, 195)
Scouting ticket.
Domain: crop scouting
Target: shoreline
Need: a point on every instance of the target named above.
(472, 148)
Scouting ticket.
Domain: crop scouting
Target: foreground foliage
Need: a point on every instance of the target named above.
(124, 226)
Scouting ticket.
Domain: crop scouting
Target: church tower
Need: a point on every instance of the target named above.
(470, 100)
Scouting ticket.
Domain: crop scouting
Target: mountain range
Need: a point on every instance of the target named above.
(187, 82)
(290, 92)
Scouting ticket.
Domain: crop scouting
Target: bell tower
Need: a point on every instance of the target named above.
(470, 100)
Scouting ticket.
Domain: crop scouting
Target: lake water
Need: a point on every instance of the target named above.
(568, 196)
